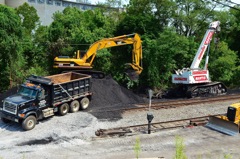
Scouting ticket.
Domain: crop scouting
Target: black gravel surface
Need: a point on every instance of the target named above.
(108, 95)
(107, 92)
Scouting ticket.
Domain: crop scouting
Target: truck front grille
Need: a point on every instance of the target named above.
(10, 107)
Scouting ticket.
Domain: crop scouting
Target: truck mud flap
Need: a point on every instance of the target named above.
(223, 126)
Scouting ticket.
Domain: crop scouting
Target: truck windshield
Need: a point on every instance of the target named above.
(24, 91)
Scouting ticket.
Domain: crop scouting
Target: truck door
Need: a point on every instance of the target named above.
(43, 98)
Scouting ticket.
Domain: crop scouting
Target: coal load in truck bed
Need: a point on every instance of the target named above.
(108, 93)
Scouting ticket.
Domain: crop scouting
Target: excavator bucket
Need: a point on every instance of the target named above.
(224, 126)
(132, 72)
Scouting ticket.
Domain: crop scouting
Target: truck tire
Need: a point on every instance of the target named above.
(74, 106)
(84, 103)
(29, 123)
(5, 120)
(63, 109)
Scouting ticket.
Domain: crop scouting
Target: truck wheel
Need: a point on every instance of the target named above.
(64, 108)
(29, 123)
(5, 120)
(74, 106)
(84, 103)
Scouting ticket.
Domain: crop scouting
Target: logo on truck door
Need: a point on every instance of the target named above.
(42, 103)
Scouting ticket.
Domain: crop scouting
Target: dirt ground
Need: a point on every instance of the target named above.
(58, 138)
(73, 136)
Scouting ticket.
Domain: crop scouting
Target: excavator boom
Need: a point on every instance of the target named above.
(86, 61)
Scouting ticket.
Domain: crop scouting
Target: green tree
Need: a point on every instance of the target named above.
(32, 46)
(192, 16)
(234, 31)
(222, 63)
(11, 55)
(145, 17)
(29, 17)
(165, 54)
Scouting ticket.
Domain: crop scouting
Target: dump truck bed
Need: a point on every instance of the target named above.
(69, 85)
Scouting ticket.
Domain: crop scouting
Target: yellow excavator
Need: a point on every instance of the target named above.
(84, 63)
(229, 123)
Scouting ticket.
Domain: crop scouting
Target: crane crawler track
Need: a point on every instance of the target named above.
(206, 90)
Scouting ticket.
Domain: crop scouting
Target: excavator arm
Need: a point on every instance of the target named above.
(86, 61)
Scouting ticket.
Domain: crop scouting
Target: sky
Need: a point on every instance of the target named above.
(236, 1)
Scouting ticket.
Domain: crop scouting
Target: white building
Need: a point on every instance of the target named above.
(46, 8)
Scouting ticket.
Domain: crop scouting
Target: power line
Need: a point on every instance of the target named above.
(227, 5)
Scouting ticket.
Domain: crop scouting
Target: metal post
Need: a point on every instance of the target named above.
(149, 118)
(149, 127)
(149, 114)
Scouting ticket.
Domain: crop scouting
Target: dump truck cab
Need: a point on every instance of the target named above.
(30, 100)
(40, 97)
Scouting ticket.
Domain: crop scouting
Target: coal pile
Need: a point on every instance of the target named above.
(107, 92)
(109, 95)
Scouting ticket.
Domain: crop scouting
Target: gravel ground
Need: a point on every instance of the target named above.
(73, 136)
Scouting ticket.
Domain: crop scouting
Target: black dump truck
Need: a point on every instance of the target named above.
(42, 97)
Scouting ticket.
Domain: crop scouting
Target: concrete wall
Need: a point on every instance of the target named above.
(2, 1)
(14, 3)
(46, 8)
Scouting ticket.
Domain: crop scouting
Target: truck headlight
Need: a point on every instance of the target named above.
(1, 108)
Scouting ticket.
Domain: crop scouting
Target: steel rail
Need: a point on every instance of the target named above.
(157, 126)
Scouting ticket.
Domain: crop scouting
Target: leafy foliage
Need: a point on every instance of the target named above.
(223, 63)
(171, 32)
(29, 17)
(10, 34)
(180, 148)
(137, 147)
(161, 59)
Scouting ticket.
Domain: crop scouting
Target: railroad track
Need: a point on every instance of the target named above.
(172, 103)
(155, 127)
